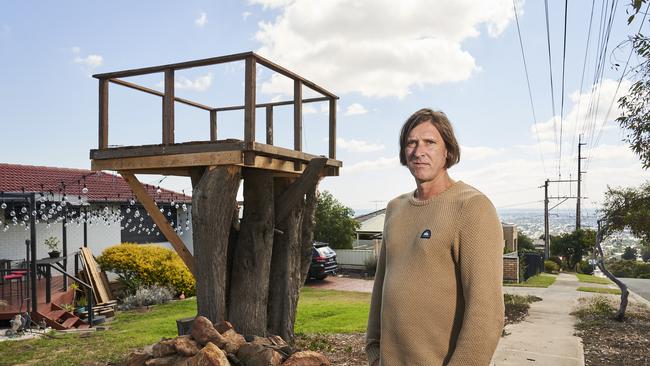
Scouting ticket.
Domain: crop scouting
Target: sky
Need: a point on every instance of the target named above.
(384, 59)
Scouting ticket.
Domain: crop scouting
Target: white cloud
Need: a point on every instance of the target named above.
(478, 152)
(245, 15)
(611, 152)
(358, 145)
(369, 165)
(309, 109)
(270, 3)
(355, 109)
(90, 62)
(202, 20)
(378, 48)
(199, 84)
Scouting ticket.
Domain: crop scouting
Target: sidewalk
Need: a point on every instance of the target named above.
(545, 337)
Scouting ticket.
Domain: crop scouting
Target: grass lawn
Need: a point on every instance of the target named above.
(592, 279)
(328, 311)
(600, 290)
(541, 280)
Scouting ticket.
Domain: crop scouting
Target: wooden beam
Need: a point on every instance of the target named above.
(157, 93)
(103, 114)
(159, 219)
(281, 152)
(297, 117)
(168, 109)
(332, 129)
(295, 193)
(213, 125)
(249, 108)
(273, 104)
(179, 148)
(278, 165)
(175, 66)
(169, 161)
(279, 69)
(269, 125)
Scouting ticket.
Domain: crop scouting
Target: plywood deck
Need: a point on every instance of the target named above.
(180, 158)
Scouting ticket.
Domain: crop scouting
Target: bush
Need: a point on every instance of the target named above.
(146, 296)
(631, 269)
(551, 267)
(586, 268)
(371, 265)
(139, 265)
(556, 259)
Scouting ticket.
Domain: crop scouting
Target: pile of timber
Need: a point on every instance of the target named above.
(104, 304)
(221, 345)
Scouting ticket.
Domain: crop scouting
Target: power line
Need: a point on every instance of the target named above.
(530, 93)
(566, 7)
(550, 68)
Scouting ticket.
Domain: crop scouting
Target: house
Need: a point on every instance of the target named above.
(78, 208)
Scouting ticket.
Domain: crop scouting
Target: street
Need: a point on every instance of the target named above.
(639, 285)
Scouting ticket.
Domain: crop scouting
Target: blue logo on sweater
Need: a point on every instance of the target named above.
(426, 234)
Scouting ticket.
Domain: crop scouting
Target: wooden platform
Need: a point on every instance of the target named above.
(178, 159)
(14, 299)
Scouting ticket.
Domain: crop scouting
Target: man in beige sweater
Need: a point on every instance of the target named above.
(437, 297)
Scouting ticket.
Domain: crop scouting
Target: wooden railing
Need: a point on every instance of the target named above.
(251, 61)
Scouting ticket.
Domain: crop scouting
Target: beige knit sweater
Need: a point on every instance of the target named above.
(437, 299)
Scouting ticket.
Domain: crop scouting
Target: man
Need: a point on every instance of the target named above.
(437, 297)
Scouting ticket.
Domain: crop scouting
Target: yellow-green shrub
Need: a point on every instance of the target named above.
(146, 265)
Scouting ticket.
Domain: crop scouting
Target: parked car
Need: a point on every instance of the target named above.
(323, 261)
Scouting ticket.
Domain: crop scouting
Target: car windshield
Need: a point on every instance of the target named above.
(325, 251)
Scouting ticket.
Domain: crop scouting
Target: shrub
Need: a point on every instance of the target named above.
(551, 267)
(146, 296)
(139, 265)
(370, 264)
(556, 259)
(586, 268)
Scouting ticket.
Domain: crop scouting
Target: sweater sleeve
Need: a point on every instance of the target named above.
(373, 333)
(480, 258)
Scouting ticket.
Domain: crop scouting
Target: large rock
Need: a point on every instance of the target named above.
(186, 346)
(173, 360)
(233, 341)
(210, 355)
(203, 332)
(307, 358)
(164, 348)
(137, 359)
(258, 355)
(223, 326)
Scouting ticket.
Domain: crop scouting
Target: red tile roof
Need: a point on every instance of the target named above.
(101, 186)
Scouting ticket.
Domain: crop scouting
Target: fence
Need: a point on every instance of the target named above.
(354, 258)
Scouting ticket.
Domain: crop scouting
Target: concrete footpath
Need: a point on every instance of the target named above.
(545, 337)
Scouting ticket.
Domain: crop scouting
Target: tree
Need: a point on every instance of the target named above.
(334, 222)
(629, 254)
(645, 254)
(524, 242)
(635, 106)
(628, 208)
(573, 246)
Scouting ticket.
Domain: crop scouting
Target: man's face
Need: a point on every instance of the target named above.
(425, 153)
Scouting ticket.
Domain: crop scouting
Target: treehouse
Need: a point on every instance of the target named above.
(247, 272)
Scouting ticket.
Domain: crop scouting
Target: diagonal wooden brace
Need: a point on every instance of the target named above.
(297, 190)
(159, 219)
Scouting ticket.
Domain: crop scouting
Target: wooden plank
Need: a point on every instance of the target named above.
(178, 148)
(278, 165)
(297, 118)
(169, 161)
(281, 152)
(332, 129)
(168, 109)
(103, 114)
(175, 66)
(269, 125)
(295, 193)
(159, 219)
(272, 104)
(279, 69)
(213, 125)
(94, 275)
(249, 102)
(156, 92)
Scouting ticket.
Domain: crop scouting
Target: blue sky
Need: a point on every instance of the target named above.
(384, 59)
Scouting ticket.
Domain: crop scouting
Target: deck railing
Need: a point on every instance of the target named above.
(251, 60)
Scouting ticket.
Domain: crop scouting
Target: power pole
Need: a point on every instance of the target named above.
(580, 172)
(547, 245)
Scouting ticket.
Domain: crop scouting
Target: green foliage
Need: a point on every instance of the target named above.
(596, 307)
(371, 265)
(629, 254)
(140, 265)
(556, 259)
(628, 268)
(600, 290)
(592, 279)
(524, 242)
(573, 246)
(541, 280)
(146, 296)
(335, 223)
(551, 267)
(628, 208)
(52, 242)
(327, 311)
(586, 268)
(645, 253)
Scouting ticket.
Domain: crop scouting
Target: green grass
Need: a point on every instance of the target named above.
(600, 290)
(592, 279)
(541, 280)
(327, 311)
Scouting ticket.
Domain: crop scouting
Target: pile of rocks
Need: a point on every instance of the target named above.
(221, 345)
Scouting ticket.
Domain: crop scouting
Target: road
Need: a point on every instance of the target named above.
(639, 285)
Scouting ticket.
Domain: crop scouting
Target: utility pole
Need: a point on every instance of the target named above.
(547, 245)
(580, 172)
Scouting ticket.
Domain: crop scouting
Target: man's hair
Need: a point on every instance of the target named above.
(440, 121)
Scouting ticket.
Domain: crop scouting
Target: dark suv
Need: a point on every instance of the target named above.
(323, 261)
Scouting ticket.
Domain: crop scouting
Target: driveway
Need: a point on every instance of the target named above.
(342, 283)
(640, 286)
